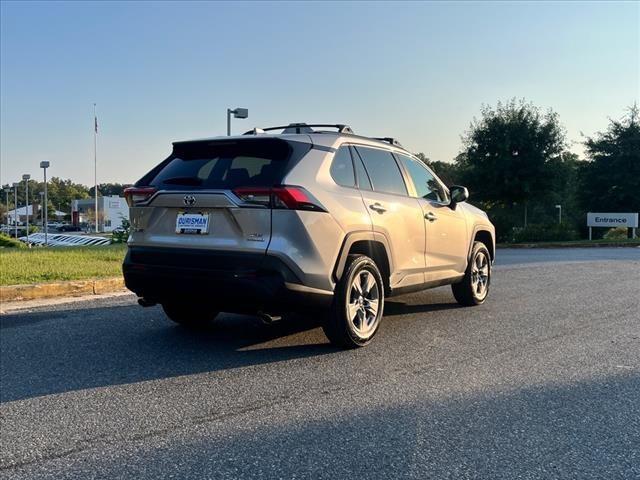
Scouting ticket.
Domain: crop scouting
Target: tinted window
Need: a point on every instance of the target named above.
(225, 164)
(342, 168)
(361, 174)
(383, 170)
(426, 184)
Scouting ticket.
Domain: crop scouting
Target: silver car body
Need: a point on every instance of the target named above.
(420, 242)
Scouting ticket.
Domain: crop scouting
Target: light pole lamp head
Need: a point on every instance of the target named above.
(26, 177)
(240, 113)
(44, 164)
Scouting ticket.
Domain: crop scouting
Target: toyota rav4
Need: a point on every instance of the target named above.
(306, 220)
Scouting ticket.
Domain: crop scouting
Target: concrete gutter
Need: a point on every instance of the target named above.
(74, 288)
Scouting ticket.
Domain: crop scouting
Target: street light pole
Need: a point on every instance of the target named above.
(15, 212)
(40, 210)
(44, 165)
(26, 178)
(95, 163)
(237, 113)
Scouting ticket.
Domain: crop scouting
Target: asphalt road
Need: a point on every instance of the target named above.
(543, 381)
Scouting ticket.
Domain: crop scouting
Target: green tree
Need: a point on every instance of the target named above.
(109, 189)
(62, 192)
(449, 173)
(610, 178)
(508, 152)
(513, 157)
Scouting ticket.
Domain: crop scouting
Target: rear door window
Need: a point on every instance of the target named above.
(226, 164)
(383, 170)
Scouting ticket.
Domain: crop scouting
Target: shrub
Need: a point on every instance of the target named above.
(9, 242)
(544, 233)
(120, 235)
(618, 233)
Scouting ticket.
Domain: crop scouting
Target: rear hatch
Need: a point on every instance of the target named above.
(214, 194)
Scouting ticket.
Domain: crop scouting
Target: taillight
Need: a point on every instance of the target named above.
(137, 195)
(283, 196)
(295, 198)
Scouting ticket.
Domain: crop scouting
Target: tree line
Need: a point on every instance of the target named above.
(516, 164)
(60, 193)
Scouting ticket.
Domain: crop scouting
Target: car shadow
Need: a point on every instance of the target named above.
(395, 307)
(55, 351)
(60, 351)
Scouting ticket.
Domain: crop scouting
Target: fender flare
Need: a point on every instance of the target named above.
(353, 237)
(474, 232)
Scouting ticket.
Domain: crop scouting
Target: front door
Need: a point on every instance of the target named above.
(445, 227)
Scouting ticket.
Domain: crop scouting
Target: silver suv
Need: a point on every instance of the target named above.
(306, 220)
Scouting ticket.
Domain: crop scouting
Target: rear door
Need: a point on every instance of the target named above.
(394, 214)
(213, 195)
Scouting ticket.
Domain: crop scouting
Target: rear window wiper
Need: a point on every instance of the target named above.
(193, 181)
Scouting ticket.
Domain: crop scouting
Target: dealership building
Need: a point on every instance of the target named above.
(111, 212)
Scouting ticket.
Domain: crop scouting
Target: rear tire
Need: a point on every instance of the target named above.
(358, 304)
(189, 315)
(474, 287)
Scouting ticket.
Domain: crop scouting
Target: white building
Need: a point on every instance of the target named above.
(111, 212)
(22, 212)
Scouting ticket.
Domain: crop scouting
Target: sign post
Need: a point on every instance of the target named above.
(611, 220)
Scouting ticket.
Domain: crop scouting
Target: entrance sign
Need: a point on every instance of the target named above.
(611, 220)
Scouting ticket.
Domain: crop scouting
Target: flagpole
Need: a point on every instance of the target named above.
(95, 164)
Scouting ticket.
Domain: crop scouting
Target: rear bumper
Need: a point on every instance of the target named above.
(232, 281)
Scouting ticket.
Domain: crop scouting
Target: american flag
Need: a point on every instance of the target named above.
(95, 123)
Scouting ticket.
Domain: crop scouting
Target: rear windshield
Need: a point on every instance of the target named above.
(226, 164)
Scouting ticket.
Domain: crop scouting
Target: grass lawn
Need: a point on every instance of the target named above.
(41, 264)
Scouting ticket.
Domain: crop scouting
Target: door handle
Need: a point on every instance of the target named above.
(430, 216)
(377, 208)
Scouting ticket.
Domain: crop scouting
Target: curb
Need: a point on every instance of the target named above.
(74, 288)
(566, 245)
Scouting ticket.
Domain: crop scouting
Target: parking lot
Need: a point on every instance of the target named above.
(543, 381)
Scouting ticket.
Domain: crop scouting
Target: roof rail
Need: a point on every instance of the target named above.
(389, 140)
(302, 128)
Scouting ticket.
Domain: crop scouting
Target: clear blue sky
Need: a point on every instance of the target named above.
(417, 71)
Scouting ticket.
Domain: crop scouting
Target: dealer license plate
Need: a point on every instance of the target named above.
(192, 223)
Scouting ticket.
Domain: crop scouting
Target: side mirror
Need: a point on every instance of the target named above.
(458, 194)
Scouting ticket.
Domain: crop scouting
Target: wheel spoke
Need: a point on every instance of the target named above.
(372, 307)
(362, 317)
(353, 311)
(369, 283)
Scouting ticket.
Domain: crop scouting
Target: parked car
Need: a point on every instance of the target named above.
(69, 228)
(307, 220)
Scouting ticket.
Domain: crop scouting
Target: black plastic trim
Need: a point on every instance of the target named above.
(234, 281)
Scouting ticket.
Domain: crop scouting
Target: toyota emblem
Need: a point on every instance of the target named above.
(189, 200)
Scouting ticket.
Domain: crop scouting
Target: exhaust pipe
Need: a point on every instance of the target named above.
(143, 302)
(268, 319)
